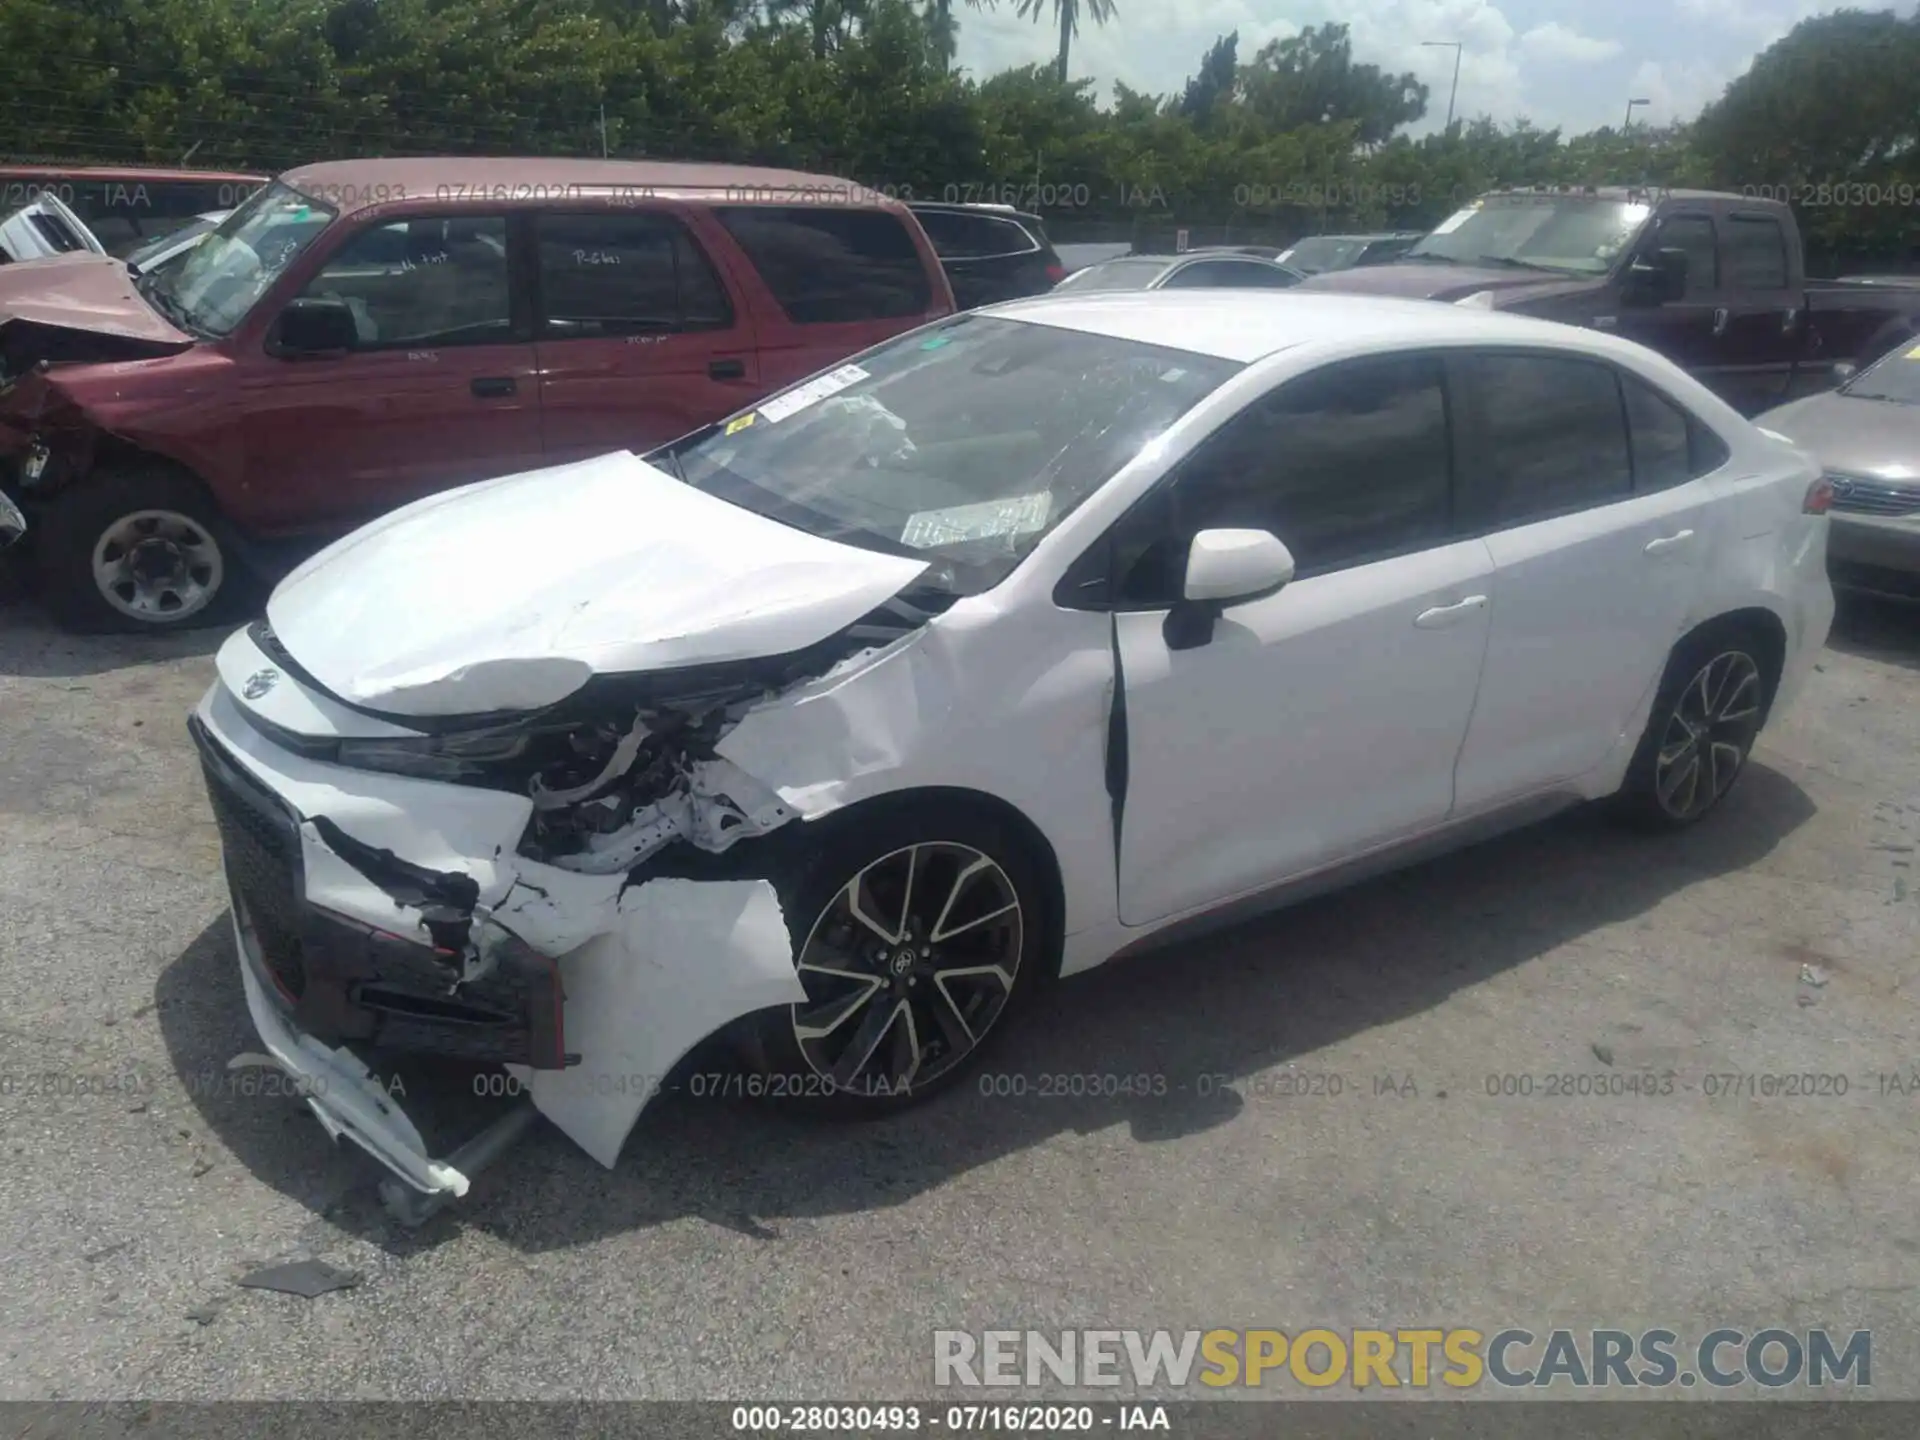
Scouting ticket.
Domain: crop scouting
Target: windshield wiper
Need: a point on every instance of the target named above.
(1508, 262)
(156, 295)
(1433, 255)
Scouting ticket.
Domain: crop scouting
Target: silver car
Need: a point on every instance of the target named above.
(1867, 437)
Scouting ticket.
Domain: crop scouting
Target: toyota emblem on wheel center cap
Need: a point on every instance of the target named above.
(259, 683)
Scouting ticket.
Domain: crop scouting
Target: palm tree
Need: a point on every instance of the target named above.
(945, 29)
(1069, 13)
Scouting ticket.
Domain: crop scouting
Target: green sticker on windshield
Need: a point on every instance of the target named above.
(935, 342)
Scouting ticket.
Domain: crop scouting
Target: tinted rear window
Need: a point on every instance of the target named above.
(973, 237)
(826, 263)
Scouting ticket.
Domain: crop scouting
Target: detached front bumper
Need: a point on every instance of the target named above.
(592, 988)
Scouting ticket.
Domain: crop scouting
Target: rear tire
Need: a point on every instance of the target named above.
(1701, 730)
(139, 549)
(918, 934)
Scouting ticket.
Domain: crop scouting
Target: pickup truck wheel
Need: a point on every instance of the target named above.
(134, 550)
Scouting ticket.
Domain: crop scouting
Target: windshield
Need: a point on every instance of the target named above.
(1324, 252)
(213, 288)
(1577, 235)
(1895, 377)
(144, 255)
(965, 444)
(1115, 275)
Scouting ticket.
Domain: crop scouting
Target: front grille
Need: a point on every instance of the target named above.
(261, 842)
(1873, 497)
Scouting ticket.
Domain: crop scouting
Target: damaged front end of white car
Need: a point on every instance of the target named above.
(479, 819)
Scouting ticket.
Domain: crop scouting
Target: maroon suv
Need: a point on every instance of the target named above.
(359, 334)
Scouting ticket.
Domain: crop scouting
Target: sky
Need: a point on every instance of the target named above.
(1567, 63)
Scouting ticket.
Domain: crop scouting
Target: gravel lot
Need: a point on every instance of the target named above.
(734, 1253)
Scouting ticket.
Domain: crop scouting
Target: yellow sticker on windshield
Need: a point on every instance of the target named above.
(741, 423)
(1914, 353)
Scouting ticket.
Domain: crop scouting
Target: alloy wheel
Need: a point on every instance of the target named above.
(907, 968)
(1708, 733)
(157, 566)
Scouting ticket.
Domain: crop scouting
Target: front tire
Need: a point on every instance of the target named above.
(1702, 728)
(134, 550)
(917, 935)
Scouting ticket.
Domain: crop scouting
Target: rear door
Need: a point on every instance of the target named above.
(439, 389)
(829, 280)
(637, 339)
(1759, 319)
(1598, 535)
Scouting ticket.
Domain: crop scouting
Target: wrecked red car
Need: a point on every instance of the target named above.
(357, 335)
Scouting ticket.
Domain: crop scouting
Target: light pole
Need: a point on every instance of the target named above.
(1453, 45)
(1629, 120)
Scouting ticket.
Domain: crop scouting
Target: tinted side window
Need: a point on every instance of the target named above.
(1756, 253)
(1347, 464)
(1202, 274)
(1553, 436)
(426, 281)
(973, 237)
(1693, 234)
(829, 263)
(628, 274)
(1662, 446)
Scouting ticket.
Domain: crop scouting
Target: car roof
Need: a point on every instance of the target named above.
(355, 184)
(1249, 325)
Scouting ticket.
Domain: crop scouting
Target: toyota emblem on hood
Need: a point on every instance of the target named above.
(259, 683)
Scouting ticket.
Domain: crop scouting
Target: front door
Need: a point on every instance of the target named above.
(438, 390)
(1685, 329)
(638, 340)
(1597, 545)
(1323, 720)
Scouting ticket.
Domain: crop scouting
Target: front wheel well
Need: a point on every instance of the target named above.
(947, 799)
(1757, 624)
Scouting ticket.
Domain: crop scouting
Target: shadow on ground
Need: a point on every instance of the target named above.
(1237, 1003)
(33, 646)
(1871, 628)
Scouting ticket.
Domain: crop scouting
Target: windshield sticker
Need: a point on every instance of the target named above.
(1914, 353)
(1454, 221)
(811, 393)
(987, 520)
(935, 342)
(1174, 374)
(735, 426)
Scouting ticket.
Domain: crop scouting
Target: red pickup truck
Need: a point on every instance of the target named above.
(359, 334)
(1715, 282)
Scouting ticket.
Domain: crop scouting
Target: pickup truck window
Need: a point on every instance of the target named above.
(1693, 234)
(1573, 234)
(1754, 249)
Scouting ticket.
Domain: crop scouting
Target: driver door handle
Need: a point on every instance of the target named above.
(1667, 544)
(1441, 616)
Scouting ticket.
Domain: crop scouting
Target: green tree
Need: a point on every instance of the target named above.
(1311, 79)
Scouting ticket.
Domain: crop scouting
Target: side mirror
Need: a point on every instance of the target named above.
(1843, 371)
(310, 328)
(1224, 567)
(1658, 278)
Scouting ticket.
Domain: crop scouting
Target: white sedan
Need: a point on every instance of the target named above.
(838, 728)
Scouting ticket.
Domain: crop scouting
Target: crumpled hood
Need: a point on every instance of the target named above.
(510, 594)
(1420, 280)
(83, 292)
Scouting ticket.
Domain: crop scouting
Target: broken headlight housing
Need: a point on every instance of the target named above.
(464, 755)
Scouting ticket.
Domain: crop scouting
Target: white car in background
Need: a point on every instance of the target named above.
(1026, 638)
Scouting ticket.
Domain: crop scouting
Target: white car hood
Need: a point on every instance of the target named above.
(510, 594)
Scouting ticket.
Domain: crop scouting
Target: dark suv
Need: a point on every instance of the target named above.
(991, 252)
